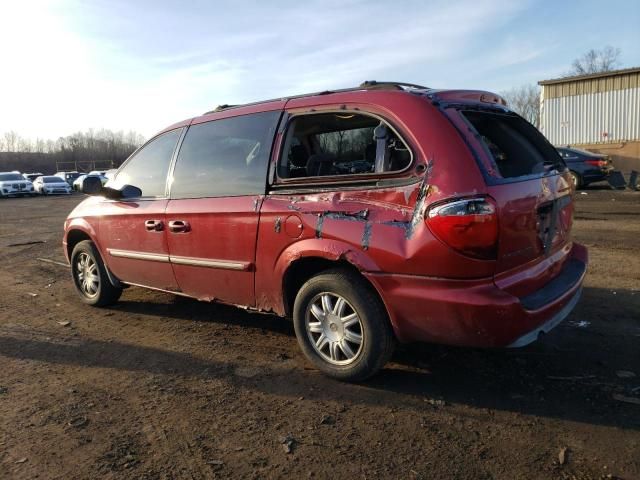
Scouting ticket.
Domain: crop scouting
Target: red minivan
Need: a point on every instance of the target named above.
(379, 214)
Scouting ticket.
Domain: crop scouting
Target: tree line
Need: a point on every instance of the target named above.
(89, 146)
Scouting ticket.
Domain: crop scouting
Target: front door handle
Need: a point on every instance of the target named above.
(179, 226)
(154, 225)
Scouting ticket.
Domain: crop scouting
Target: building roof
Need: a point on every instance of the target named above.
(590, 76)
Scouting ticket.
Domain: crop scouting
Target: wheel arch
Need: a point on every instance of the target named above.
(75, 236)
(80, 230)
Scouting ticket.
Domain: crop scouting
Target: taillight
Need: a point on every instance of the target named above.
(468, 226)
(596, 163)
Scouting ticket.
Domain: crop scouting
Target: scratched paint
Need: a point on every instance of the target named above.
(360, 216)
(277, 226)
(319, 225)
(366, 235)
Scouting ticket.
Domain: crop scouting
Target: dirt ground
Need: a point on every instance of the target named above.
(161, 387)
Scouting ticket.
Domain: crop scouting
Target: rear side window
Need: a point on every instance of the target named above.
(225, 158)
(148, 168)
(516, 148)
(328, 144)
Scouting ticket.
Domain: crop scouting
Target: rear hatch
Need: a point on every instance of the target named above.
(527, 179)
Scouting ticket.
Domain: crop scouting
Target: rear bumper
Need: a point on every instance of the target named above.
(476, 312)
(596, 175)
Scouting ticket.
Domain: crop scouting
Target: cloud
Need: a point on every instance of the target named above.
(144, 65)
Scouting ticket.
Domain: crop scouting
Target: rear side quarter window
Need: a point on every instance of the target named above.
(339, 144)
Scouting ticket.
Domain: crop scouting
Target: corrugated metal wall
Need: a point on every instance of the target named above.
(580, 119)
(618, 81)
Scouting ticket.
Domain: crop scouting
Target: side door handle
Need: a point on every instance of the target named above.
(154, 225)
(179, 226)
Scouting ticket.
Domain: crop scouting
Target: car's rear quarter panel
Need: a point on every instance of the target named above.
(376, 229)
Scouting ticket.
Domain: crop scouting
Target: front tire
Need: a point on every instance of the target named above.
(342, 326)
(90, 276)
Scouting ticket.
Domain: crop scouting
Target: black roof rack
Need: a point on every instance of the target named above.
(374, 84)
(366, 85)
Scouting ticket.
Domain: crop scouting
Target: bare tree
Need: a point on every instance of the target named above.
(596, 61)
(90, 146)
(525, 101)
(11, 140)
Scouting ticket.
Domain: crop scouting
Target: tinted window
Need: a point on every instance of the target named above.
(341, 144)
(227, 157)
(148, 169)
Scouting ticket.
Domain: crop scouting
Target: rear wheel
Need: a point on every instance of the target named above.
(342, 326)
(575, 180)
(90, 276)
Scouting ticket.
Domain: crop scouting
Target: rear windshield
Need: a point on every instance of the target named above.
(515, 147)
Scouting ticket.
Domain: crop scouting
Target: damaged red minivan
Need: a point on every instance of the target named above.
(383, 213)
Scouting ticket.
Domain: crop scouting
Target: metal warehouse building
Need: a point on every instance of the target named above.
(598, 112)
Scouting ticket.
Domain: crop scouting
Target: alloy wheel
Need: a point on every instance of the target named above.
(334, 328)
(88, 278)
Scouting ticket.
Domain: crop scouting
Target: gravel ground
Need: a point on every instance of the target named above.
(162, 387)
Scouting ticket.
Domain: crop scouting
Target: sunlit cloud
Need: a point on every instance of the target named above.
(143, 65)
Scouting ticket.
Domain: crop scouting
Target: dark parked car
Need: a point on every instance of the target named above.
(585, 167)
(382, 213)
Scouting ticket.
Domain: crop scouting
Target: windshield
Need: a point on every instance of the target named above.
(52, 180)
(10, 176)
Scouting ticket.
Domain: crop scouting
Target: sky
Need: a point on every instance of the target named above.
(142, 65)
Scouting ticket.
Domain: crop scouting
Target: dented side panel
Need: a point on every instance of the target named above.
(377, 229)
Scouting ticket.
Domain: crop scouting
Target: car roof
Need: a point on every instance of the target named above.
(368, 92)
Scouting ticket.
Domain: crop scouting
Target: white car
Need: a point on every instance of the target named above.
(13, 184)
(47, 185)
(77, 183)
(32, 176)
(69, 177)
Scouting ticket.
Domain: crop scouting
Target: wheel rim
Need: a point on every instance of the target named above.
(334, 328)
(574, 180)
(86, 274)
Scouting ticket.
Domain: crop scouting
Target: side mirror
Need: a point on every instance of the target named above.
(91, 186)
(124, 191)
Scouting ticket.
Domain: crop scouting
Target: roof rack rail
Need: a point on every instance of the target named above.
(219, 108)
(366, 85)
(373, 84)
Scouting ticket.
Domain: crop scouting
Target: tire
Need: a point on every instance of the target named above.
(575, 179)
(97, 291)
(340, 355)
